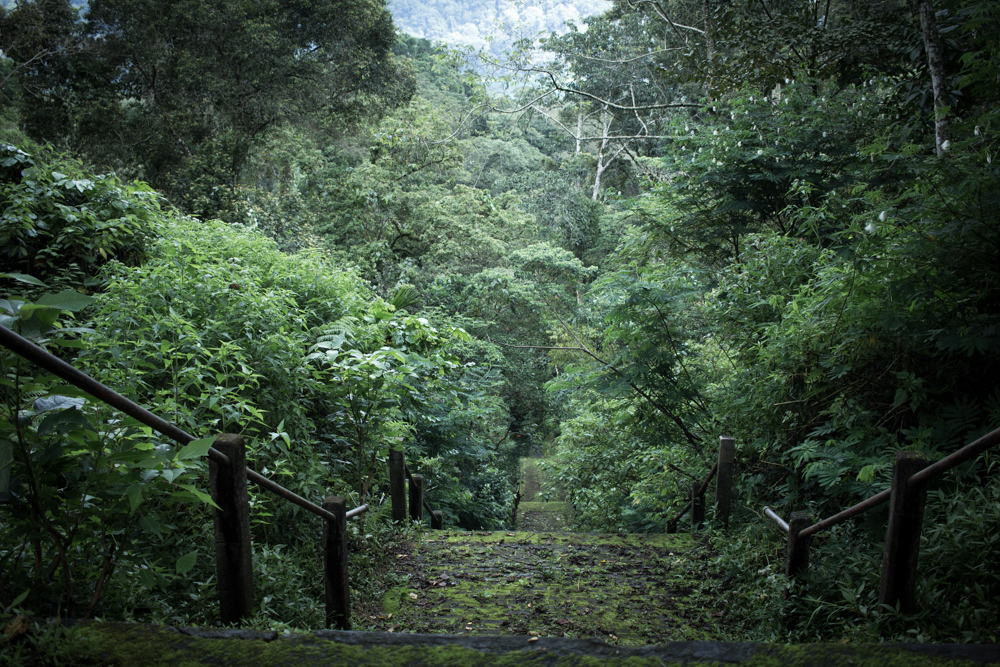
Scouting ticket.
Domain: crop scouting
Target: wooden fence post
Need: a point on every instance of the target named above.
(902, 538)
(724, 479)
(797, 555)
(437, 520)
(417, 497)
(697, 507)
(338, 592)
(397, 484)
(233, 559)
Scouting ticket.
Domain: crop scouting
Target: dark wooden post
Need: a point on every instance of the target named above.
(724, 482)
(902, 539)
(797, 556)
(338, 592)
(437, 520)
(397, 484)
(697, 507)
(233, 559)
(417, 497)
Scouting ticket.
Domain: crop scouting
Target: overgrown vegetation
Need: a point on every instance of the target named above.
(772, 220)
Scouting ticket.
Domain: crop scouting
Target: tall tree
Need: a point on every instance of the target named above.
(186, 90)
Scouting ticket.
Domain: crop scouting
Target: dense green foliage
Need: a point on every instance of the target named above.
(694, 219)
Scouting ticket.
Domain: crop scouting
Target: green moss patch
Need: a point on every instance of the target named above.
(543, 516)
(624, 589)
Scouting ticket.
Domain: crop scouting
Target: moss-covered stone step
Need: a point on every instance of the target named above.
(625, 589)
(542, 516)
(131, 645)
(536, 512)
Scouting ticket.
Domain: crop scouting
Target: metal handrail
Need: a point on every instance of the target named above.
(959, 457)
(361, 509)
(843, 516)
(22, 346)
(966, 453)
(777, 519)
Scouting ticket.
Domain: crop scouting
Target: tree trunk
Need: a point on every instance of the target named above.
(709, 42)
(602, 165)
(935, 64)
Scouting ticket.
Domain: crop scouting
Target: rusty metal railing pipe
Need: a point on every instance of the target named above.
(964, 454)
(967, 453)
(361, 509)
(22, 346)
(854, 510)
(782, 524)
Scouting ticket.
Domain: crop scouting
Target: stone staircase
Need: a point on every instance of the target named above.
(542, 581)
(539, 595)
(622, 589)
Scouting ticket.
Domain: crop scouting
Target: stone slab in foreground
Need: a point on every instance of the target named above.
(125, 645)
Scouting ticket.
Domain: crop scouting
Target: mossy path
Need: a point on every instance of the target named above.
(625, 589)
(544, 581)
(536, 512)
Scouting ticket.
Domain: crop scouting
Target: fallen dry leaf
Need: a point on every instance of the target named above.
(17, 627)
(532, 639)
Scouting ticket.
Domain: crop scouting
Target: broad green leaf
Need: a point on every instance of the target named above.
(200, 495)
(151, 525)
(19, 599)
(24, 278)
(64, 421)
(147, 578)
(47, 315)
(194, 449)
(57, 402)
(66, 300)
(186, 562)
(134, 494)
